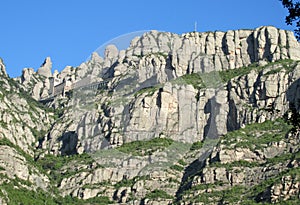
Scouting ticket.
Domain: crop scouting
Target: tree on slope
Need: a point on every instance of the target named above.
(293, 7)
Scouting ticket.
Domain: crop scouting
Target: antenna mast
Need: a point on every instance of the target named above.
(195, 28)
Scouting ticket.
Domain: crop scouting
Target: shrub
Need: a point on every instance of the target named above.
(177, 167)
(196, 145)
(157, 193)
(142, 148)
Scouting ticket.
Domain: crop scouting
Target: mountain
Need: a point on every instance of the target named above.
(197, 118)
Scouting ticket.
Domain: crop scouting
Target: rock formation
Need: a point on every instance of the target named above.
(45, 69)
(197, 118)
(2, 68)
(161, 56)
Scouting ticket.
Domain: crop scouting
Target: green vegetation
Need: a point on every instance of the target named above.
(165, 55)
(254, 136)
(130, 182)
(125, 183)
(54, 164)
(193, 79)
(293, 7)
(177, 167)
(157, 193)
(227, 196)
(274, 71)
(257, 135)
(264, 185)
(227, 75)
(143, 148)
(20, 195)
(6, 142)
(203, 187)
(280, 158)
(237, 194)
(239, 164)
(157, 54)
(17, 194)
(294, 118)
(241, 194)
(196, 145)
(287, 64)
(33, 104)
(217, 78)
(33, 110)
(181, 162)
(149, 90)
(212, 79)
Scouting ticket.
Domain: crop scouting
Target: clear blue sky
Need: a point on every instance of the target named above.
(70, 30)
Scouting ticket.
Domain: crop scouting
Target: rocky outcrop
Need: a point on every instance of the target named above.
(23, 122)
(193, 93)
(288, 187)
(208, 51)
(186, 114)
(13, 164)
(238, 163)
(21, 118)
(2, 68)
(45, 69)
(36, 85)
(181, 111)
(157, 57)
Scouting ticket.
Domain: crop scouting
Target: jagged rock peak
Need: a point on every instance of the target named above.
(96, 58)
(2, 68)
(111, 51)
(45, 69)
(27, 73)
(218, 50)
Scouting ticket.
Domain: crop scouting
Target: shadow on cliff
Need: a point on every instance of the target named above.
(210, 129)
(69, 143)
(250, 48)
(193, 169)
(253, 48)
(196, 167)
(210, 136)
(293, 95)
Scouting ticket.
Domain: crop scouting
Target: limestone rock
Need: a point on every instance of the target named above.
(203, 52)
(111, 54)
(46, 67)
(37, 90)
(111, 51)
(27, 74)
(2, 68)
(147, 98)
(289, 187)
(15, 165)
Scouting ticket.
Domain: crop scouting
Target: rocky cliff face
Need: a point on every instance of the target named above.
(197, 118)
(22, 121)
(161, 56)
(2, 68)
